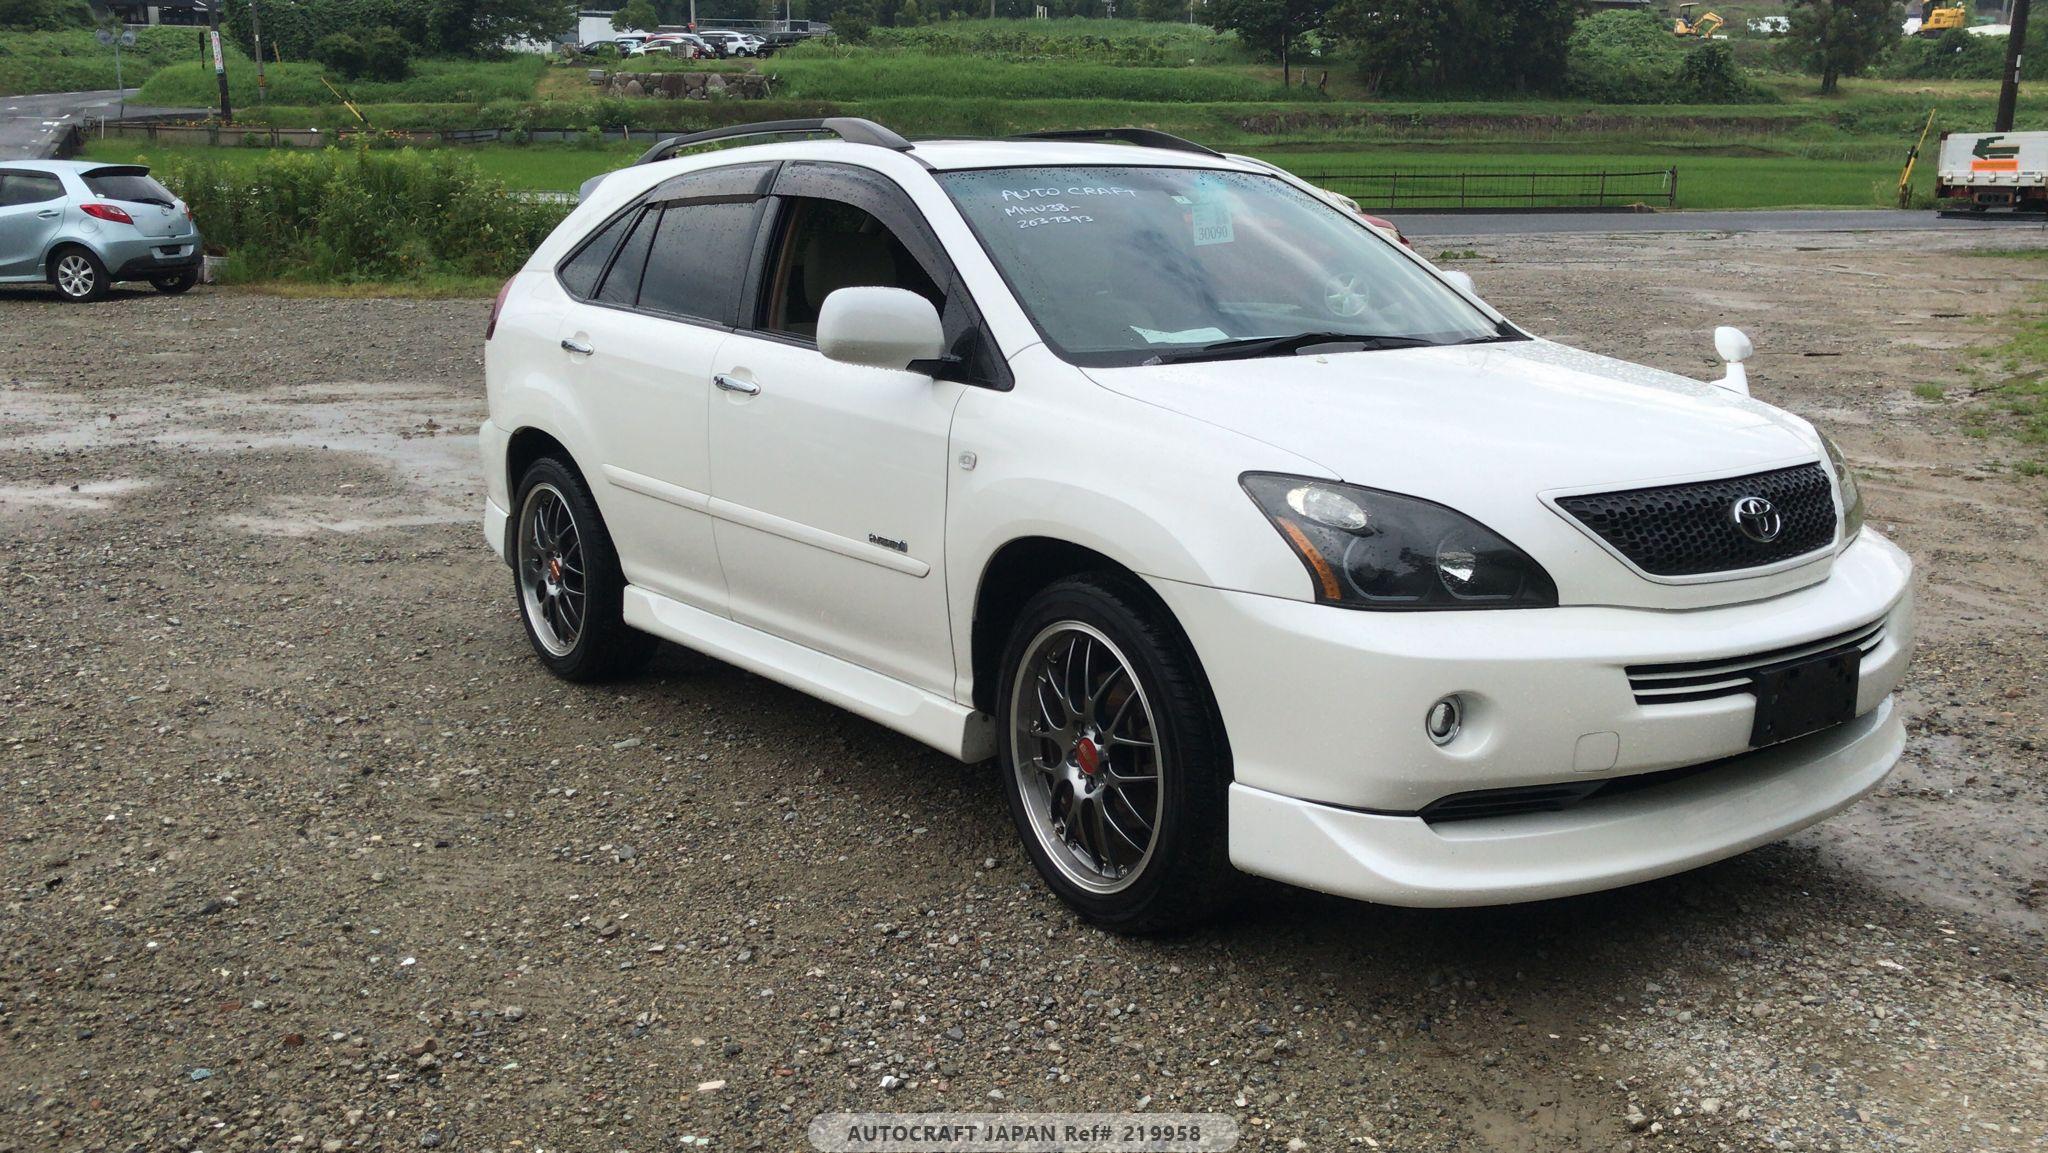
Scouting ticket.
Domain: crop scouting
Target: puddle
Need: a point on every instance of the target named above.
(424, 434)
(18, 499)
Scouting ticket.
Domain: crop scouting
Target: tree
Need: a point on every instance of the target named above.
(1466, 46)
(44, 15)
(1836, 38)
(477, 27)
(639, 16)
(1275, 26)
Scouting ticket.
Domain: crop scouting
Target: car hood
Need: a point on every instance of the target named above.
(1490, 430)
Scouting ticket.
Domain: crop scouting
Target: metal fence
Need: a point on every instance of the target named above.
(1453, 191)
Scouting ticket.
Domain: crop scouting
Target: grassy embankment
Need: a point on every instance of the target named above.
(991, 78)
(74, 61)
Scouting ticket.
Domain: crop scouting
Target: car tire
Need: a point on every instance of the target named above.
(77, 274)
(175, 283)
(565, 574)
(1097, 661)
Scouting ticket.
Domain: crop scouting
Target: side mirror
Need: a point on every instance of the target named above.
(1463, 281)
(880, 328)
(1734, 346)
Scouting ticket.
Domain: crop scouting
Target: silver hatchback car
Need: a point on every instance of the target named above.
(82, 225)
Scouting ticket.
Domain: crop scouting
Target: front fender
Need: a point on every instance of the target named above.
(1157, 492)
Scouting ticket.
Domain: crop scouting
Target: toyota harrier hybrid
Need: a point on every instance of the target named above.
(1240, 537)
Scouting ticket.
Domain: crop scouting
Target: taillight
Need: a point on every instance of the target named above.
(107, 212)
(491, 325)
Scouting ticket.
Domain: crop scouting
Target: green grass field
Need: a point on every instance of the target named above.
(432, 81)
(1705, 181)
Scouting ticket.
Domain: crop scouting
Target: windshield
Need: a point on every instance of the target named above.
(1137, 265)
(133, 185)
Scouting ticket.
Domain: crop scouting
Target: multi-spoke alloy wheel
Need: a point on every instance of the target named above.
(78, 275)
(571, 590)
(1114, 758)
(552, 570)
(1086, 753)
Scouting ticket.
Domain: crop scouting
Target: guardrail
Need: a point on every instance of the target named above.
(1503, 191)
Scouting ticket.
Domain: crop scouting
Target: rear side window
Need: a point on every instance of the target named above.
(28, 188)
(579, 273)
(622, 283)
(127, 184)
(699, 259)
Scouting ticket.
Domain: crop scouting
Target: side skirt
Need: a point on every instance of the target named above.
(948, 726)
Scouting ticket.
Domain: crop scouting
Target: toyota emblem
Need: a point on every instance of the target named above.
(1757, 519)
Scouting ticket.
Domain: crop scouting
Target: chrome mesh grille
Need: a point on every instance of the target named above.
(1689, 529)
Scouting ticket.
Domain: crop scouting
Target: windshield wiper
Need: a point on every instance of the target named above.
(1245, 348)
(1502, 331)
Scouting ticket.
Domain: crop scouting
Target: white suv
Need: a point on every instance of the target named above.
(1238, 534)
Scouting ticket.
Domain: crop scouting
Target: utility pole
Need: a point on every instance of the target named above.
(256, 36)
(2015, 45)
(220, 63)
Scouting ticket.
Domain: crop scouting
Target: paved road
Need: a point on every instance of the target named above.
(30, 126)
(1803, 220)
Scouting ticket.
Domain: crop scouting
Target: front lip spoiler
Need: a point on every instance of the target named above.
(1536, 856)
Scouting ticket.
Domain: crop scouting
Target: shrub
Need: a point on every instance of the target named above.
(1632, 58)
(341, 54)
(387, 56)
(1709, 75)
(360, 215)
(1957, 55)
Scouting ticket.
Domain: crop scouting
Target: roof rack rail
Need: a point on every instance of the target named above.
(1141, 137)
(852, 129)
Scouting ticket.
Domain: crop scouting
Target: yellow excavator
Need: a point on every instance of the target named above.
(1700, 29)
(1940, 19)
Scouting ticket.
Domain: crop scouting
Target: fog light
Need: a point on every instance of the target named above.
(1444, 719)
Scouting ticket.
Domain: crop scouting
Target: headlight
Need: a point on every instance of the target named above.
(1366, 549)
(1852, 493)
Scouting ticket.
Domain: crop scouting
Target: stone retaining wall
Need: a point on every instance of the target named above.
(687, 85)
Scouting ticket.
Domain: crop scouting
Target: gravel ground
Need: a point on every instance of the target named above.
(300, 849)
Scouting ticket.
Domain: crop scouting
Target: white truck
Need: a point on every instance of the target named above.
(1984, 170)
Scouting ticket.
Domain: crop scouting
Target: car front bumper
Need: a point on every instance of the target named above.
(1325, 710)
(1601, 844)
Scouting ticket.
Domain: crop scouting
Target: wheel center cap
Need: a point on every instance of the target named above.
(1088, 756)
(555, 569)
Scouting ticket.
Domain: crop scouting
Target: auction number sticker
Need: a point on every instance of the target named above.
(1023, 1132)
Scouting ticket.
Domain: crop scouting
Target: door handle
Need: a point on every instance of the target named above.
(735, 384)
(579, 347)
(48, 214)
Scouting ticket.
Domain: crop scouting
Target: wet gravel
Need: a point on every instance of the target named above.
(299, 848)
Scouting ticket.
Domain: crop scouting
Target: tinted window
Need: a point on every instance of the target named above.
(127, 184)
(579, 273)
(699, 259)
(622, 283)
(828, 245)
(28, 188)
